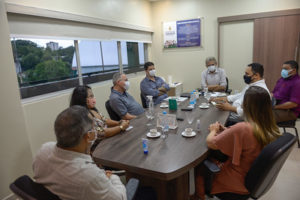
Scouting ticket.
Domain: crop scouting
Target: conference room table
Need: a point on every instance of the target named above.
(167, 164)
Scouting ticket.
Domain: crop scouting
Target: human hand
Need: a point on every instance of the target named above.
(108, 173)
(214, 127)
(221, 127)
(125, 124)
(162, 89)
(224, 106)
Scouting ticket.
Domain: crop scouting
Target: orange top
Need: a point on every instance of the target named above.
(242, 148)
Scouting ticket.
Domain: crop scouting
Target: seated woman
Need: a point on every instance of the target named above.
(242, 143)
(83, 96)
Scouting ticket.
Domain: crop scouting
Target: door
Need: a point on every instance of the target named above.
(276, 40)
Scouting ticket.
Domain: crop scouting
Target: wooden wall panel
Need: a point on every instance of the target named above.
(275, 41)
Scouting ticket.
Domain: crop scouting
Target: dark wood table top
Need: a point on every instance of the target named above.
(167, 158)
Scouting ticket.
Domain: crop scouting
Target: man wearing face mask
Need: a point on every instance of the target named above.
(121, 101)
(153, 85)
(214, 78)
(254, 73)
(66, 168)
(287, 93)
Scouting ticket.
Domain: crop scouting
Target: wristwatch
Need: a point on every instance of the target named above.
(122, 128)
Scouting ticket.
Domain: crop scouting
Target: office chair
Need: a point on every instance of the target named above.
(290, 124)
(27, 189)
(262, 173)
(144, 101)
(112, 114)
(227, 90)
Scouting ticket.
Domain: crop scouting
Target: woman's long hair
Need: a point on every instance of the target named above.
(258, 112)
(79, 96)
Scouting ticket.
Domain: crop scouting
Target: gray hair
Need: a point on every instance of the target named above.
(211, 58)
(71, 125)
(116, 77)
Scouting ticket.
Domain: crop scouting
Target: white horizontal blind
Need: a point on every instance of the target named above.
(41, 27)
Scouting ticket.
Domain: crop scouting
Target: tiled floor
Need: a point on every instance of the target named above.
(287, 184)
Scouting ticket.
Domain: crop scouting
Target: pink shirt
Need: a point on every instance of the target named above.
(242, 148)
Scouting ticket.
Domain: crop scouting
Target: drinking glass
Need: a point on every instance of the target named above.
(149, 116)
(207, 96)
(189, 117)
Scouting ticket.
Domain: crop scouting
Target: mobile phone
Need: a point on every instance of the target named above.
(186, 109)
(180, 118)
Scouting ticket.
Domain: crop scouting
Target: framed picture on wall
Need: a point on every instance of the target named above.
(183, 33)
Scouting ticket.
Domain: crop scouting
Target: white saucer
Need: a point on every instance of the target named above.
(204, 106)
(191, 135)
(163, 106)
(153, 136)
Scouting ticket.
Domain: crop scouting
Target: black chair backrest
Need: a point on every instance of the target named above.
(112, 114)
(27, 189)
(144, 101)
(267, 165)
(227, 86)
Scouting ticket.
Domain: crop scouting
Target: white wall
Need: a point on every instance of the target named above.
(15, 151)
(136, 12)
(27, 125)
(186, 64)
(40, 114)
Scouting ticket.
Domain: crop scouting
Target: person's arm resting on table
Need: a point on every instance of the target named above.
(216, 88)
(119, 107)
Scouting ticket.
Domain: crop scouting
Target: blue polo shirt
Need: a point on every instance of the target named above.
(149, 87)
(123, 103)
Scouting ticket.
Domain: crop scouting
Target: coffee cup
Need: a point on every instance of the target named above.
(164, 104)
(188, 131)
(153, 132)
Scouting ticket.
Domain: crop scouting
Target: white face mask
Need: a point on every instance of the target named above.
(152, 72)
(211, 68)
(127, 84)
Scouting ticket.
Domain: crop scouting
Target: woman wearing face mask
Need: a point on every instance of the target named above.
(83, 96)
(213, 78)
(153, 85)
(242, 143)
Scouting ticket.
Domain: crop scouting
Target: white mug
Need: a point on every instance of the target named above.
(153, 132)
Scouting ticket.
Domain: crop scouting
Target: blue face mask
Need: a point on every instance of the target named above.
(285, 73)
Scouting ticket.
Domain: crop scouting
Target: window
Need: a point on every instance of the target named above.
(135, 56)
(41, 62)
(48, 65)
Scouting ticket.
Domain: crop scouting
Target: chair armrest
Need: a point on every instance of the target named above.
(131, 188)
(229, 91)
(210, 170)
(212, 167)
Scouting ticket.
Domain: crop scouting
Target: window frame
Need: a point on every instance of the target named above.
(89, 78)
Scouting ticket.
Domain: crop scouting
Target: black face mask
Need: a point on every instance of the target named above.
(247, 79)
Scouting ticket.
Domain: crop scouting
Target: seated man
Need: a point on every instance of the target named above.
(214, 78)
(253, 77)
(153, 85)
(287, 93)
(122, 102)
(66, 168)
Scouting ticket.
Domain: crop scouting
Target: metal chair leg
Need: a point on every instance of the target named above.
(296, 131)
